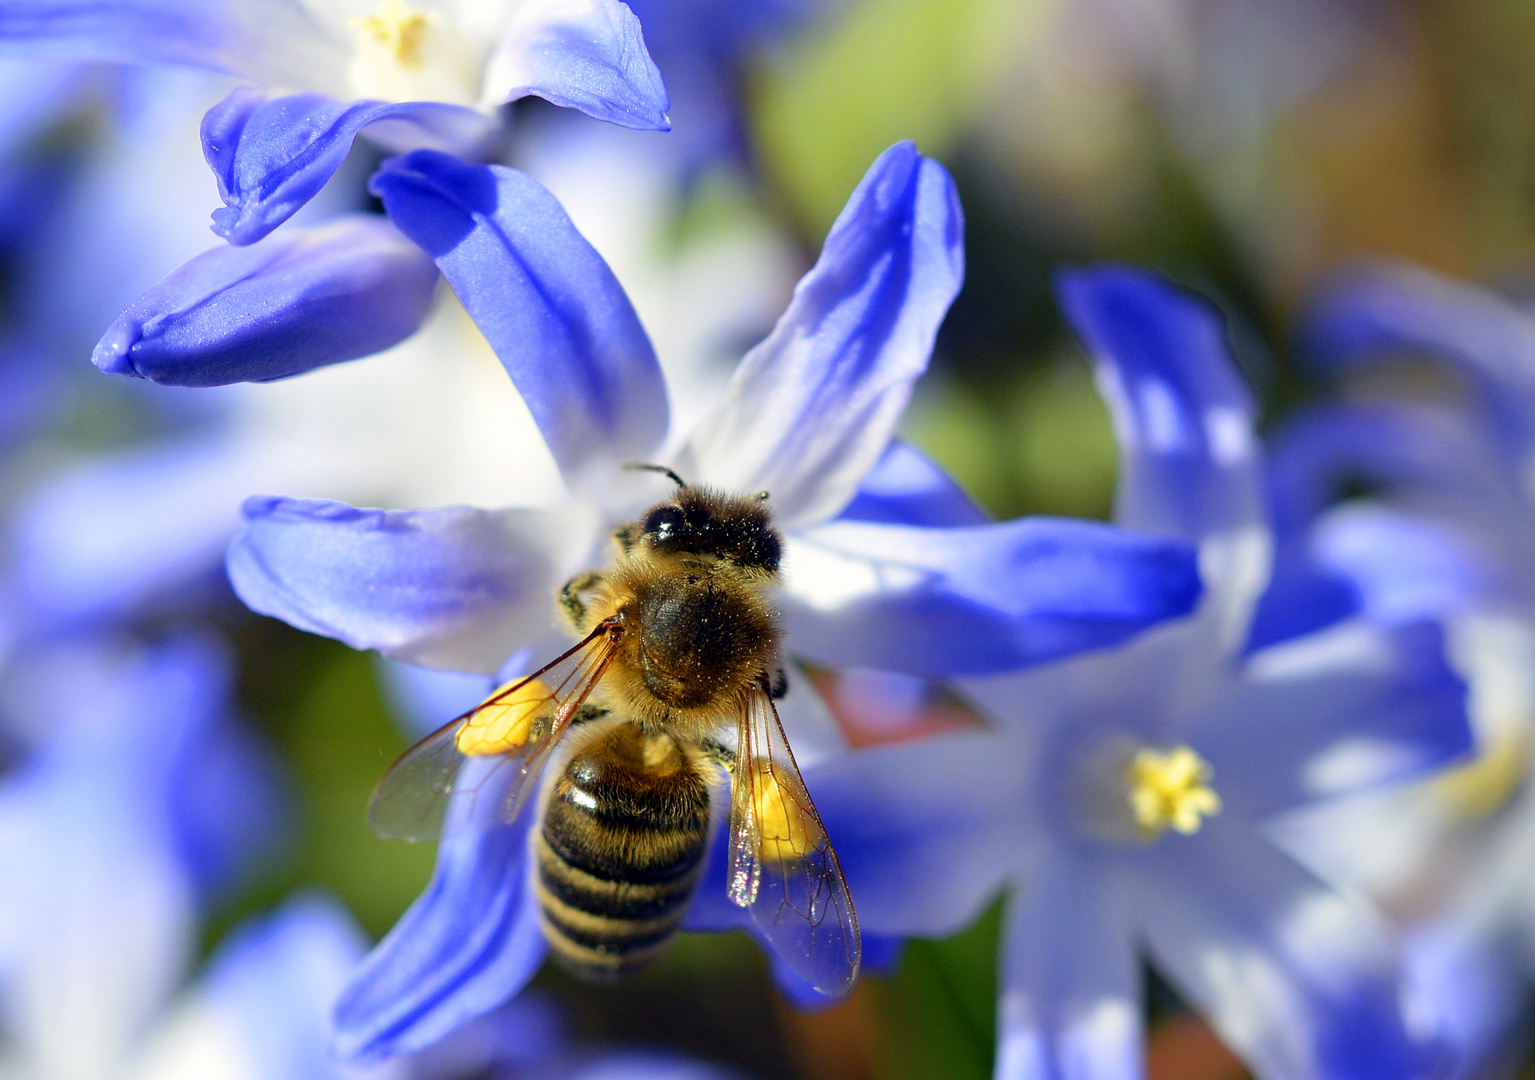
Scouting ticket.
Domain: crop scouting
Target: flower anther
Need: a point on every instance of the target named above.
(398, 28)
(1170, 790)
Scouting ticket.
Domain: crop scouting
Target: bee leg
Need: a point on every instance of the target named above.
(570, 597)
(720, 754)
(626, 536)
(780, 684)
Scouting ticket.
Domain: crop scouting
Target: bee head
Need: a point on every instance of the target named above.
(698, 521)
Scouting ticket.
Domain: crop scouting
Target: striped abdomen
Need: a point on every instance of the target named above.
(619, 851)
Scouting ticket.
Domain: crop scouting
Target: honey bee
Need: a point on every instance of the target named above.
(678, 651)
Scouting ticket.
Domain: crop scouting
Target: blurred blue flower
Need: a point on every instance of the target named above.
(1120, 797)
(808, 417)
(260, 1010)
(416, 76)
(1438, 525)
(136, 799)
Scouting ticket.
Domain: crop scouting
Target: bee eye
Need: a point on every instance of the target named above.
(664, 523)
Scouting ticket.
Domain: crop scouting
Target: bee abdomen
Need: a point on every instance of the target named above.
(619, 852)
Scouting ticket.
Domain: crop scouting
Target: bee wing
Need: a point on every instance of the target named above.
(512, 729)
(782, 865)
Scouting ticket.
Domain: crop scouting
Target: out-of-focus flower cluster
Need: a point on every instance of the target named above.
(1144, 399)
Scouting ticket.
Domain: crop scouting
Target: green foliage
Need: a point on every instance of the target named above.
(320, 702)
(1036, 441)
(940, 1009)
(886, 70)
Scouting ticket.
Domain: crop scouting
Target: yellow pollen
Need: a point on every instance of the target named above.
(499, 726)
(785, 826)
(1170, 790)
(399, 28)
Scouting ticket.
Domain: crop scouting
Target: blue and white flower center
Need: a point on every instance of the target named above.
(1170, 790)
(405, 53)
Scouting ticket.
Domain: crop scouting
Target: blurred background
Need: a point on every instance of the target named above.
(1242, 147)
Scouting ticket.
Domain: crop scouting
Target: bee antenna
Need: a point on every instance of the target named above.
(644, 466)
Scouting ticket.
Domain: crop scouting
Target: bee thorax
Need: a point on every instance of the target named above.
(701, 642)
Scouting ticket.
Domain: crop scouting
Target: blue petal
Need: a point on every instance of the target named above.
(1473, 985)
(591, 58)
(465, 947)
(270, 157)
(94, 817)
(1423, 451)
(1381, 309)
(923, 831)
(646, 1065)
(545, 300)
(116, 535)
(1404, 567)
(1182, 415)
(1301, 598)
(980, 599)
(1335, 713)
(297, 300)
(1071, 1001)
(811, 409)
(456, 588)
(266, 40)
(274, 981)
(191, 32)
(906, 488)
(1298, 979)
(228, 807)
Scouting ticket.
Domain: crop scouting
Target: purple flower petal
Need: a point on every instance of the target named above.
(296, 300)
(270, 157)
(922, 833)
(455, 588)
(466, 946)
(906, 488)
(1335, 713)
(243, 37)
(545, 300)
(581, 54)
(1379, 309)
(979, 599)
(273, 983)
(1071, 982)
(811, 409)
(1298, 979)
(1184, 419)
(1433, 455)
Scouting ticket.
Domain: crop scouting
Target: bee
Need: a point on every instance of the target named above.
(671, 683)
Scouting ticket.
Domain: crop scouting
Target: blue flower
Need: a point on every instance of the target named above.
(139, 800)
(1119, 797)
(416, 75)
(1444, 534)
(808, 417)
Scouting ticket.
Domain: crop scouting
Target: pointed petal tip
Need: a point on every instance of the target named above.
(111, 355)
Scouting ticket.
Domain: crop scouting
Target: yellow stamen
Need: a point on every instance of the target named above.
(499, 726)
(786, 828)
(1170, 791)
(399, 28)
(1479, 787)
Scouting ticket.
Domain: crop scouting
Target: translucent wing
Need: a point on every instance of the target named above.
(513, 729)
(782, 865)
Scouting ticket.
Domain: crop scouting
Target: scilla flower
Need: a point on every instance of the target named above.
(1445, 533)
(135, 799)
(427, 74)
(1118, 798)
(808, 418)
